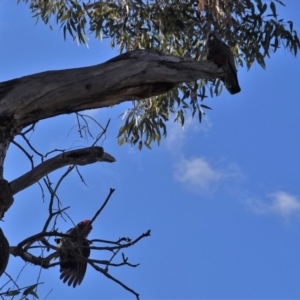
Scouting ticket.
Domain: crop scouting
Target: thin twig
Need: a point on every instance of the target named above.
(30, 146)
(80, 176)
(101, 134)
(129, 244)
(48, 294)
(115, 280)
(31, 128)
(25, 152)
(10, 279)
(111, 191)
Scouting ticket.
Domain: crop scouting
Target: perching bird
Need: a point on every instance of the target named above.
(221, 55)
(4, 252)
(72, 253)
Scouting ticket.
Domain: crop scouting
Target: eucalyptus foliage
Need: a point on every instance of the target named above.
(252, 28)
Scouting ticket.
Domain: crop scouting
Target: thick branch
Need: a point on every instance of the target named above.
(75, 157)
(38, 261)
(134, 75)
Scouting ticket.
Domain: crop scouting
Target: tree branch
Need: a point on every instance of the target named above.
(105, 273)
(128, 244)
(75, 157)
(134, 75)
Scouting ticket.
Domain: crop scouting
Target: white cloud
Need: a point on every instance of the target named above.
(285, 204)
(279, 203)
(198, 174)
(176, 134)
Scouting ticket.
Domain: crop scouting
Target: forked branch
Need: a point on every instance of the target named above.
(75, 157)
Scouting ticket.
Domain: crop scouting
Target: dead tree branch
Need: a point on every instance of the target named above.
(105, 273)
(111, 191)
(135, 75)
(75, 157)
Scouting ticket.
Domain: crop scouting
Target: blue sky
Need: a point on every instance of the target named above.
(221, 198)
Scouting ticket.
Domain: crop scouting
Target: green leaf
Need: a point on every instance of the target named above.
(273, 8)
(260, 59)
(147, 145)
(280, 2)
(65, 30)
(200, 116)
(70, 29)
(30, 291)
(291, 25)
(122, 130)
(12, 293)
(121, 141)
(140, 146)
(259, 3)
(205, 106)
(263, 9)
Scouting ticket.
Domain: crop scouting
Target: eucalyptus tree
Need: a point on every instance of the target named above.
(162, 69)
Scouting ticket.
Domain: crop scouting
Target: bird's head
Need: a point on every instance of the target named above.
(213, 37)
(210, 36)
(85, 226)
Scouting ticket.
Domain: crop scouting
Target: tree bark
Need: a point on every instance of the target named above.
(131, 76)
(135, 75)
(80, 157)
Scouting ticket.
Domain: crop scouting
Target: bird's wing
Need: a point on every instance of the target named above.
(73, 265)
(231, 81)
(73, 276)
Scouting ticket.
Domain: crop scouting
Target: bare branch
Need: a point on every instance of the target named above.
(51, 215)
(80, 176)
(108, 262)
(75, 157)
(25, 152)
(114, 279)
(38, 261)
(111, 191)
(29, 144)
(102, 133)
(129, 243)
(131, 76)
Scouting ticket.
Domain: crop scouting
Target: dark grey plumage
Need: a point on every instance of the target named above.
(4, 252)
(221, 55)
(73, 253)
